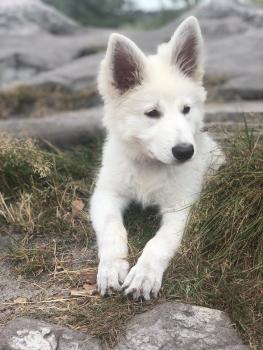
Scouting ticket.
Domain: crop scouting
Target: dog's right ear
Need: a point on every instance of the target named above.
(187, 49)
(122, 68)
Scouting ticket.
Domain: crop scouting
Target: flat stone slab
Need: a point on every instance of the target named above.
(23, 17)
(169, 326)
(234, 111)
(62, 129)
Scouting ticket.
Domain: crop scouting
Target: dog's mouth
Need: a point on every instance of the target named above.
(175, 162)
(172, 162)
(182, 162)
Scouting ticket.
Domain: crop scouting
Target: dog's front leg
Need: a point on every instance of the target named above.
(145, 278)
(106, 215)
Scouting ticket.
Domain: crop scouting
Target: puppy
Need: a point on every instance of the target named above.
(154, 153)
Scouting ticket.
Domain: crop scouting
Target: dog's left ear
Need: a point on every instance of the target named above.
(187, 49)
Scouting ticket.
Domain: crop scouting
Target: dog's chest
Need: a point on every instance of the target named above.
(147, 184)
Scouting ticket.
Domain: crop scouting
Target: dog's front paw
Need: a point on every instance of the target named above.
(144, 281)
(111, 274)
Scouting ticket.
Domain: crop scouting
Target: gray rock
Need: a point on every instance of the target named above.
(232, 30)
(173, 326)
(169, 326)
(23, 57)
(61, 129)
(23, 17)
(247, 87)
(234, 111)
(30, 43)
(225, 8)
(237, 59)
(29, 334)
(79, 74)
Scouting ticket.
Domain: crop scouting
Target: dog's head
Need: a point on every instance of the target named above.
(155, 103)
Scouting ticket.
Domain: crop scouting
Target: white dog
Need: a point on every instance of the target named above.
(155, 153)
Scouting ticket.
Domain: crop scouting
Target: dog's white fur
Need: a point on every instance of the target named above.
(138, 164)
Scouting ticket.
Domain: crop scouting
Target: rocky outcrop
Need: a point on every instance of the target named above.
(182, 327)
(26, 334)
(24, 17)
(78, 74)
(226, 9)
(25, 57)
(232, 29)
(169, 326)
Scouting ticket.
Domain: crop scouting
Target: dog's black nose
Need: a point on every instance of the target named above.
(183, 151)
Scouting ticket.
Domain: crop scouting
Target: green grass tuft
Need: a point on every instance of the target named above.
(222, 256)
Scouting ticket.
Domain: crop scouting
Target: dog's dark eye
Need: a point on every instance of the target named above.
(186, 109)
(154, 113)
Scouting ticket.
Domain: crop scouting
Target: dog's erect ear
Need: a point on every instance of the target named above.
(125, 63)
(187, 49)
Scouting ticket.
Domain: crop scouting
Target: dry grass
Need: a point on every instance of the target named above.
(219, 265)
(38, 194)
(28, 101)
